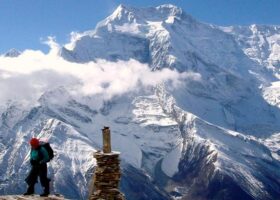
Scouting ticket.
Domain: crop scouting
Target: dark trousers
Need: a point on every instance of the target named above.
(36, 171)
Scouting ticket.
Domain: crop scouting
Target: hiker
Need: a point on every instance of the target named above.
(38, 160)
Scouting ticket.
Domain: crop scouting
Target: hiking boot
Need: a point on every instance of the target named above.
(44, 194)
(28, 193)
(30, 190)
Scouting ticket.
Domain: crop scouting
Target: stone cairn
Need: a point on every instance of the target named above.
(107, 173)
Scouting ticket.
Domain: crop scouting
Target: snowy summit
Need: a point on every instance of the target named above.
(12, 53)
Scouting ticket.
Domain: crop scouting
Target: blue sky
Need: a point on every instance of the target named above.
(24, 24)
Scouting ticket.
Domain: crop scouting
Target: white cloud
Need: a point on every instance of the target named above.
(54, 46)
(74, 36)
(27, 88)
(32, 73)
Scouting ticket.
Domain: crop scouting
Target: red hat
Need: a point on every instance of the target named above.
(34, 142)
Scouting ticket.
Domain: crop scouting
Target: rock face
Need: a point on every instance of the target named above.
(107, 177)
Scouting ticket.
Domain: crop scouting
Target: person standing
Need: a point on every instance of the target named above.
(38, 160)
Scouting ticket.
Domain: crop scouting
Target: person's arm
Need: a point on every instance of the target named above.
(45, 155)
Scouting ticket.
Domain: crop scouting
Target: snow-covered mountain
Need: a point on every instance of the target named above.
(165, 36)
(213, 137)
(12, 53)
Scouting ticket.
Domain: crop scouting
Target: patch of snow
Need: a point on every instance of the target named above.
(272, 94)
(171, 161)
(130, 28)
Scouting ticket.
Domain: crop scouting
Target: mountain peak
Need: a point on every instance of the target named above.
(12, 53)
(122, 11)
(170, 9)
(125, 13)
(123, 7)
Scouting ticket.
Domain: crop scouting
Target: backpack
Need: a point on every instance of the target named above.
(49, 149)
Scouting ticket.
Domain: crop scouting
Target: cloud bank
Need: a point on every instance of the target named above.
(28, 76)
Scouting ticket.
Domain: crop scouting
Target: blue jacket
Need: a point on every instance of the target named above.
(39, 155)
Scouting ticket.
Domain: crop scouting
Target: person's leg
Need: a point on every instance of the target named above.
(31, 180)
(45, 182)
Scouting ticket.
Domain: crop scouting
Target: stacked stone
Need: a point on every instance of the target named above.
(107, 177)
